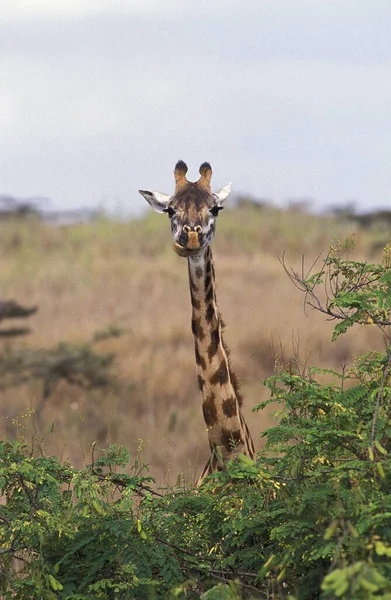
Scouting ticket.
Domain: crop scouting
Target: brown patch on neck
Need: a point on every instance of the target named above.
(197, 329)
(230, 407)
(221, 376)
(214, 344)
(210, 410)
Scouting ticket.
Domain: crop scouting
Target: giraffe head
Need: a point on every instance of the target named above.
(192, 210)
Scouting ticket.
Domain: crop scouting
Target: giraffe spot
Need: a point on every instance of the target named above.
(229, 407)
(210, 411)
(201, 382)
(221, 375)
(193, 286)
(208, 267)
(214, 344)
(210, 311)
(200, 360)
(231, 439)
(194, 326)
(197, 329)
(196, 303)
(207, 281)
(209, 294)
(199, 272)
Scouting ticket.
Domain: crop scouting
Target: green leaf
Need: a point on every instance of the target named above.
(380, 447)
(380, 470)
(330, 530)
(56, 585)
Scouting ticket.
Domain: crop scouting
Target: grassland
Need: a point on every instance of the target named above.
(86, 277)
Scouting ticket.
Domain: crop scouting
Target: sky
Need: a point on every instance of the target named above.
(289, 100)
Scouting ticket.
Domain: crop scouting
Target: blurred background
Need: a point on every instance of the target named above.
(289, 101)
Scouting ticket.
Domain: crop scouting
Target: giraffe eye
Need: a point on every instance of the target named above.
(170, 211)
(215, 210)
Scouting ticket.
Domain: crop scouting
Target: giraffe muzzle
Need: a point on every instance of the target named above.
(193, 236)
(193, 241)
(189, 241)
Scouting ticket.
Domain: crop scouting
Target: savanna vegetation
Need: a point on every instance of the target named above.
(93, 280)
(107, 385)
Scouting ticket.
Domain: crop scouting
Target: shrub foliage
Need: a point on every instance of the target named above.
(311, 518)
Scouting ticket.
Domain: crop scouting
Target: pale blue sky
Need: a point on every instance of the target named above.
(286, 99)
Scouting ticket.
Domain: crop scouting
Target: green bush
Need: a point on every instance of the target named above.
(310, 519)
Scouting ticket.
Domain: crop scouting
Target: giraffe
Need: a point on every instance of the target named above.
(193, 210)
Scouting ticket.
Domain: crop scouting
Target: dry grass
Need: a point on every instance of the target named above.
(85, 277)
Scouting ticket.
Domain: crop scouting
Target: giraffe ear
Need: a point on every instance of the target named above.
(157, 200)
(223, 193)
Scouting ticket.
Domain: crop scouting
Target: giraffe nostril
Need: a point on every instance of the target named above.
(186, 229)
(198, 229)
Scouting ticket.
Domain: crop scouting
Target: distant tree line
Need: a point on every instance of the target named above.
(11, 208)
(376, 218)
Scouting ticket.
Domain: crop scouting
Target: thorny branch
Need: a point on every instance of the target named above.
(220, 574)
(332, 287)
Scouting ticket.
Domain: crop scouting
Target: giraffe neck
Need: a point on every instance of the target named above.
(227, 430)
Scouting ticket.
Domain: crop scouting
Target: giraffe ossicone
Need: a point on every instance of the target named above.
(193, 210)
